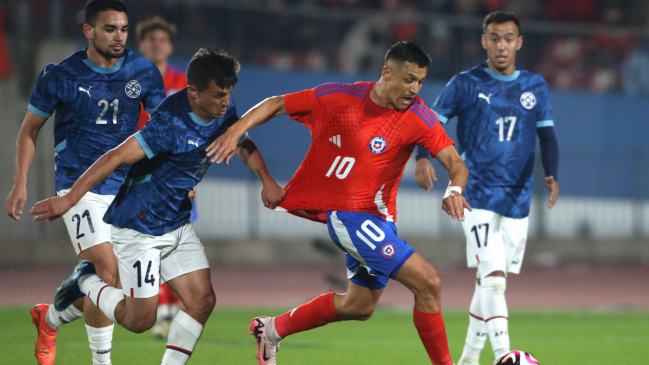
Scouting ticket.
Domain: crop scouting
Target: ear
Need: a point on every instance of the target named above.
(87, 31)
(484, 42)
(520, 42)
(386, 73)
(192, 91)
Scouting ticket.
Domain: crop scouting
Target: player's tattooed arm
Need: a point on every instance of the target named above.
(271, 194)
(453, 202)
(127, 153)
(25, 147)
(224, 147)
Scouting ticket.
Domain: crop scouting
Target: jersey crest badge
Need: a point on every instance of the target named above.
(133, 89)
(528, 100)
(378, 145)
(388, 250)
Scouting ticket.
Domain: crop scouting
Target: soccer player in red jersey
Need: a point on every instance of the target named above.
(363, 135)
(155, 38)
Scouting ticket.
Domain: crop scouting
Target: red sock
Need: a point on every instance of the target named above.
(432, 332)
(313, 314)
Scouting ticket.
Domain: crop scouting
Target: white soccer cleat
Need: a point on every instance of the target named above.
(266, 350)
(468, 361)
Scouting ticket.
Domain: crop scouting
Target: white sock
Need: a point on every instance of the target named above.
(477, 334)
(494, 310)
(104, 296)
(181, 341)
(100, 343)
(57, 319)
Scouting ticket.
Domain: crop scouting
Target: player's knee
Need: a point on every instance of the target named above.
(202, 301)
(363, 314)
(431, 285)
(142, 323)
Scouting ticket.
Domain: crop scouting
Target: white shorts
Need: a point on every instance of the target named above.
(147, 261)
(85, 221)
(494, 242)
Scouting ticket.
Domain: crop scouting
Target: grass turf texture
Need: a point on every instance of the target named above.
(570, 338)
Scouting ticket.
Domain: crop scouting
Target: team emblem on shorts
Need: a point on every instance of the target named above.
(388, 250)
(133, 89)
(378, 145)
(528, 100)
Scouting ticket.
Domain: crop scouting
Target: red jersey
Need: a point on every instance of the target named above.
(355, 164)
(174, 80)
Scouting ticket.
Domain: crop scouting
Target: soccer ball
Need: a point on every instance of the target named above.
(516, 358)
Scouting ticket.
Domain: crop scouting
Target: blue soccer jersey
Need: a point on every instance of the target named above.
(153, 197)
(96, 108)
(496, 132)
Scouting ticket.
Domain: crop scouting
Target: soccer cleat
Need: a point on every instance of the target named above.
(266, 350)
(69, 291)
(468, 361)
(46, 342)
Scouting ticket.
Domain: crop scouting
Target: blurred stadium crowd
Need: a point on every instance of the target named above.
(597, 45)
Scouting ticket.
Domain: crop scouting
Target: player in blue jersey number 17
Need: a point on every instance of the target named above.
(152, 238)
(500, 109)
(96, 93)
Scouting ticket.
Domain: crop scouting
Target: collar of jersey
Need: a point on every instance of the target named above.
(104, 70)
(500, 77)
(200, 121)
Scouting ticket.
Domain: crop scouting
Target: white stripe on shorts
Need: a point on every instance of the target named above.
(343, 237)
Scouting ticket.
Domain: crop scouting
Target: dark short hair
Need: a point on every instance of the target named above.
(408, 52)
(148, 26)
(500, 17)
(212, 64)
(94, 7)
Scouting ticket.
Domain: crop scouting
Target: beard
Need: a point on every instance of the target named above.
(107, 53)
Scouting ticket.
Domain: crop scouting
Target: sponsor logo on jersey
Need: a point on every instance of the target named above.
(335, 140)
(528, 100)
(388, 250)
(378, 145)
(133, 89)
(192, 142)
(85, 91)
(481, 95)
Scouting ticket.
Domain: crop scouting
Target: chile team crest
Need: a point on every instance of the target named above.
(388, 250)
(378, 145)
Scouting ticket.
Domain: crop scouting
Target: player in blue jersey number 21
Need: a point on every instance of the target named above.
(96, 93)
(500, 109)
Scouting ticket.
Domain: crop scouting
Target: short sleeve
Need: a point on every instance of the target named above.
(435, 139)
(544, 113)
(450, 101)
(45, 96)
(300, 105)
(157, 136)
(156, 93)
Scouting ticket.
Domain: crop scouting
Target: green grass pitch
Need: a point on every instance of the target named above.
(565, 338)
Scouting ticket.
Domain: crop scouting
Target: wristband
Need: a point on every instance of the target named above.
(450, 190)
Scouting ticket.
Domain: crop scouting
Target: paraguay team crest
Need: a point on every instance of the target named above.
(133, 89)
(388, 250)
(378, 145)
(528, 100)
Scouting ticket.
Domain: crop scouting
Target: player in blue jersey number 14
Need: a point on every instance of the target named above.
(500, 109)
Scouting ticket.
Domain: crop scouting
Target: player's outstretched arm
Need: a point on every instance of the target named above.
(271, 193)
(25, 147)
(453, 202)
(125, 154)
(223, 148)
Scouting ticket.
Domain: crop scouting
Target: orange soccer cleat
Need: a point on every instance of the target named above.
(46, 343)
